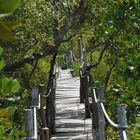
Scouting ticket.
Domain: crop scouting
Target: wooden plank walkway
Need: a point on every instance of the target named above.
(70, 122)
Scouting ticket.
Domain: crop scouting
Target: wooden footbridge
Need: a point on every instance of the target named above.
(70, 117)
(73, 111)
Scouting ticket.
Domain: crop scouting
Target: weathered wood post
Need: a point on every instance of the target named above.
(35, 106)
(35, 98)
(29, 127)
(95, 118)
(86, 92)
(122, 121)
(44, 131)
(82, 72)
(53, 100)
(101, 121)
(80, 48)
(41, 110)
(82, 94)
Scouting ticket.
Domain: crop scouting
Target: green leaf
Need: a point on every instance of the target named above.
(4, 82)
(8, 6)
(15, 86)
(10, 111)
(138, 122)
(11, 25)
(1, 65)
(6, 34)
(2, 131)
(1, 50)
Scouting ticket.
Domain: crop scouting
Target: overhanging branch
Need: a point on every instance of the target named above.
(99, 59)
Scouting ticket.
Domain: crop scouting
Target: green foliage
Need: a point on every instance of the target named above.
(8, 7)
(9, 85)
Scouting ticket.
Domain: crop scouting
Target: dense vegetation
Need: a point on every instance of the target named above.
(39, 29)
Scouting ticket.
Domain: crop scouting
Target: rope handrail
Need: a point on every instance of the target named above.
(104, 111)
(48, 93)
(124, 135)
(82, 65)
(107, 116)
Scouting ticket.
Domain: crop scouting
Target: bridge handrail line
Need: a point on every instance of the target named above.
(104, 110)
(124, 134)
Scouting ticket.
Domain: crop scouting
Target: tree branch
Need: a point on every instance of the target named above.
(50, 50)
(99, 59)
(110, 72)
(69, 38)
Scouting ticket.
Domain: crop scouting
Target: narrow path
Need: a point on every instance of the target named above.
(70, 122)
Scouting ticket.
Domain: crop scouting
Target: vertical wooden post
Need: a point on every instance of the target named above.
(45, 133)
(79, 48)
(29, 127)
(82, 94)
(95, 118)
(122, 120)
(41, 110)
(53, 103)
(35, 98)
(35, 105)
(101, 93)
(86, 92)
(84, 52)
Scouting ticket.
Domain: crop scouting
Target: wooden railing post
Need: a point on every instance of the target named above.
(45, 133)
(82, 94)
(35, 98)
(41, 110)
(28, 121)
(80, 48)
(35, 106)
(122, 121)
(95, 119)
(101, 95)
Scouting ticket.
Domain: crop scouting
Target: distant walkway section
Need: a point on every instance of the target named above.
(70, 117)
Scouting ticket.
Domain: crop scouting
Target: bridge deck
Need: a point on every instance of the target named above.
(70, 122)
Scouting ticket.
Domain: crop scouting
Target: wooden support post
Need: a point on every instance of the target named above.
(86, 92)
(35, 105)
(95, 125)
(29, 127)
(82, 94)
(45, 133)
(79, 48)
(53, 105)
(122, 121)
(35, 98)
(41, 110)
(101, 93)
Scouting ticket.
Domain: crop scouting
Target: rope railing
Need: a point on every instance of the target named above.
(124, 135)
(107, 117)
(103, 108)
(122, 126)
(48, 93)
